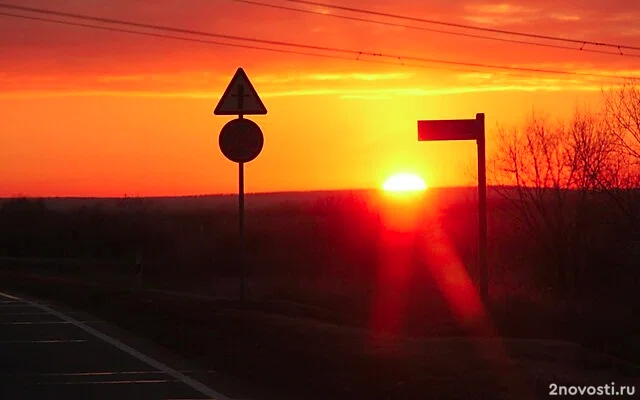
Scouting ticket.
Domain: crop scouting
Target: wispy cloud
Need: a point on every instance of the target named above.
(500, 8)
(476, 76)
(322, 10)
(291, 84)
(364, 96)
(631, 32)
(340, 92)
(332, 76)
(385, 93)
(565, 17)
(362, 76)
(303, 92)
(500, 13)
(36, 94)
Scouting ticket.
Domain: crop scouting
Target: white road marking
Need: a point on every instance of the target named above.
(42, 341)
(97, 373)
(16, 305)
(192, 383)
(24, 313)
(8, 296)
(43, 322)
(129, 382)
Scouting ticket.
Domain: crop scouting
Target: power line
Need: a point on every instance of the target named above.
(243, 46)
(110, 28)
(236, 45)
(160, 27)
(420, 28)
(400, 58)
(187, 39)
(251, 47)
(456, 25)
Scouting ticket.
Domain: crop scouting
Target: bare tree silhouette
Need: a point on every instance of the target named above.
(550, 174)
(622, 117)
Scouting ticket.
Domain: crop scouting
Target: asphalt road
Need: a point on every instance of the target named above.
(47, 354)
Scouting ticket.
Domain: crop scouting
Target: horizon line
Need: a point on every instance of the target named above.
(126, 196)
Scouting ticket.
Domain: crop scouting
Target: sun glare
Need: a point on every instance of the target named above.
(404, 183)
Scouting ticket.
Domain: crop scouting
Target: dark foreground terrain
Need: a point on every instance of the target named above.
(351, 295)
(278, 350)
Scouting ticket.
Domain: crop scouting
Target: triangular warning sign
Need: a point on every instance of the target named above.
(240, 97)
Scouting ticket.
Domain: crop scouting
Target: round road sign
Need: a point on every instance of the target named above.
(241, 140)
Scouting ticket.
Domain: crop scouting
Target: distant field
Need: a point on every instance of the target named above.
(229, 201)
(330, 248)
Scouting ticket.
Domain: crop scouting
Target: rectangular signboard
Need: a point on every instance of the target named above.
(449, 129)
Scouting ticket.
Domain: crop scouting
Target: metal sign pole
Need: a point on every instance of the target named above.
(241, 221)
(241, 229)
(482, 209)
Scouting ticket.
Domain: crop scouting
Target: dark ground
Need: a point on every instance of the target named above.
(317, 268)
(273, 351)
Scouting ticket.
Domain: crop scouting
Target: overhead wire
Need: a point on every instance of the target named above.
(401, 58)
(160, 35)
(425, 29)
(464, 26)
(236, 45)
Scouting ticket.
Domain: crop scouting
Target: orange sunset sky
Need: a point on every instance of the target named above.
(88, 112)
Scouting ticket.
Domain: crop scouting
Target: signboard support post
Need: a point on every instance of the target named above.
(482, 209)
(468, 129)
(241, 230)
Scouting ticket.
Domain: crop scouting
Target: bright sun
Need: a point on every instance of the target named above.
(404, 183)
